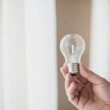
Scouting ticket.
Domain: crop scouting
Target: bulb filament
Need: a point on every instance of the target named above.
(73, 50)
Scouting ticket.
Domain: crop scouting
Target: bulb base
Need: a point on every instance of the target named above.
(73, 68)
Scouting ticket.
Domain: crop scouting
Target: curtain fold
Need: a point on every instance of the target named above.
(28, 54)
(40, 28)
(1, 81)
(100, 38)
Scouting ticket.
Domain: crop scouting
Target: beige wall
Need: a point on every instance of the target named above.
(72, 16)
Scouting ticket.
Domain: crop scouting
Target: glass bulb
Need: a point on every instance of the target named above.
(72, 47)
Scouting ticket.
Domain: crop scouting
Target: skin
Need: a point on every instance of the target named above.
(87, 90)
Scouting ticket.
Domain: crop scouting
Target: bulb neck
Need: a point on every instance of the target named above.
(73, 68)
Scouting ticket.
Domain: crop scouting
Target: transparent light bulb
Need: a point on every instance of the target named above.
(72, 47)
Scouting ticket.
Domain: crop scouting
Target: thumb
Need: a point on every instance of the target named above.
(90, 76)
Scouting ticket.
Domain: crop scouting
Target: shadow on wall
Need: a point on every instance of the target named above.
(73, 16)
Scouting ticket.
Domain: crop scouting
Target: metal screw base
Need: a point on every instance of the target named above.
(73, 68)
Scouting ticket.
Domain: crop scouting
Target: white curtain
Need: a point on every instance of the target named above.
(100, 38)
(28, 72)
(1, 101)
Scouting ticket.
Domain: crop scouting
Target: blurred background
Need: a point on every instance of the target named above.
(73, 16)
(30, 58)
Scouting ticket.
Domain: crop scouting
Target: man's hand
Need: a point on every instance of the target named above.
(87, 90)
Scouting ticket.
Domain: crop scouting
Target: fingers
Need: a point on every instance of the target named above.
(72, 87)
(68, 80)
(84, 76)
(71, 91)
(90, 76)
(81, 79)
(64, 70)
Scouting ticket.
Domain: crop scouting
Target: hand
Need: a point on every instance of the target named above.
(87, 90)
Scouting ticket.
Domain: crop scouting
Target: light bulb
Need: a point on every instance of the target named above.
(72, 47)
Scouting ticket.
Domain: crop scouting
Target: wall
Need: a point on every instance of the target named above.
(72, 16)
